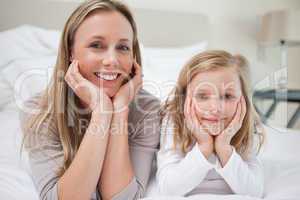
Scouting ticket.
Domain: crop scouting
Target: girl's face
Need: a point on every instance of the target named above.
(215, 94)
(103, 46)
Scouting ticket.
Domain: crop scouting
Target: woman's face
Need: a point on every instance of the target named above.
(103, 46)
(216, 94)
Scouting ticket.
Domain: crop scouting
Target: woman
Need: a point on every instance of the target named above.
(96, 131)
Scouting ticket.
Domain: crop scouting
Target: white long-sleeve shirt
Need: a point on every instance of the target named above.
(191, 173)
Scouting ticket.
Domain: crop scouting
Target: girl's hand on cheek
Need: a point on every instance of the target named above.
(127, 92)
(91, 95)
(203, 138)
(222, 141)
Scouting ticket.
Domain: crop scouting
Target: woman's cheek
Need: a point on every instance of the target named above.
(87, 61)
(127, 64)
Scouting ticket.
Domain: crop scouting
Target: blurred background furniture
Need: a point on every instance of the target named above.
(280, 30)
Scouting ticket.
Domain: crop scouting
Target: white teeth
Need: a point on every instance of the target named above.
(107, 77)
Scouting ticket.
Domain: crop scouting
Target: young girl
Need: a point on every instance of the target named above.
(90, 137)
(207, 141)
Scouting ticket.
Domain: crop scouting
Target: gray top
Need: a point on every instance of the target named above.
(46, 154)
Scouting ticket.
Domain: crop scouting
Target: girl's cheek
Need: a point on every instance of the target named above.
(230, 108)
(201, 107)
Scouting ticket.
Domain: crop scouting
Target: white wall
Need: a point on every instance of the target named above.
(234, 27)
(234, 23)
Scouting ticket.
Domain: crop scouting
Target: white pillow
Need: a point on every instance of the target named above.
(161, 66)
(6, 94)
(279, 156)
(23, 44)
(27, 42)
(14, 178)
(27, 77)
(281, 144)
(284, 184)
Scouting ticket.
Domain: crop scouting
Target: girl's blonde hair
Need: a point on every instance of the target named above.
(174, 106)
(57, 101)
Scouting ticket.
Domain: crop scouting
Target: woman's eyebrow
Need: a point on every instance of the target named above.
(124, 40)
(97, 37)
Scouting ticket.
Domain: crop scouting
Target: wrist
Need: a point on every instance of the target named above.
(98, 115)
(223, 148)
(206, 149)
(120, 108)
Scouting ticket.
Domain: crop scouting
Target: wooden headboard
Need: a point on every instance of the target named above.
(156, 28)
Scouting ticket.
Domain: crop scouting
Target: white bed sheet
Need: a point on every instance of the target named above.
(282, 176)
(15, 182)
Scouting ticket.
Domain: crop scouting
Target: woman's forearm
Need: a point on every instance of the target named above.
(117, 168)
(81, 178)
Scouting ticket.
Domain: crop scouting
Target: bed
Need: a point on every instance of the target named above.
(28, 52)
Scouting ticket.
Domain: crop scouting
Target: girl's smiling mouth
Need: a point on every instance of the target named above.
(213, 119)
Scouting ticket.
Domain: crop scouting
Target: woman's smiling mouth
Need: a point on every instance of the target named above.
(107, 76)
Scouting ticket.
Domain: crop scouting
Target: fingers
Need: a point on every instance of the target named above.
(244, 109)
(133, 85)
(196, 121)
(234, 124)
(187, 106)
(69, 77)
(137, 79)
(193, 115)
(186, 110)
(75, 72)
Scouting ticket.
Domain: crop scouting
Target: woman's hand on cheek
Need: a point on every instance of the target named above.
(127, 92)
(203, 138)
(222, 141)
(91, 95)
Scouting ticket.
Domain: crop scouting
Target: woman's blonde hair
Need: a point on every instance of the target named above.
(57, 101)
(174, 106)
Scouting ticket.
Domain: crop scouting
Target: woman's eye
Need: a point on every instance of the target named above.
(124, 48)
(96, 45)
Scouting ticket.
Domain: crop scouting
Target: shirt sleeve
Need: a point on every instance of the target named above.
(243, 177)
(177, 173)
(45, 158)
(143, 146)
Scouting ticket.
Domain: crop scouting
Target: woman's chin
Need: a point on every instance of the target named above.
(110, 92)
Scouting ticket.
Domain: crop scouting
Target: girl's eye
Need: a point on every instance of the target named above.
(229, 97)
(202, 96)
(124, 48)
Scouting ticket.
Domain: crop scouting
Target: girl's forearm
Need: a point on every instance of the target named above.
(223, 152)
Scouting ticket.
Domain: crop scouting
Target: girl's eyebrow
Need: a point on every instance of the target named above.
(203, 90)
(230, 89)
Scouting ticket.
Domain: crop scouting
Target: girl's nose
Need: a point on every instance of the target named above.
(215, 106)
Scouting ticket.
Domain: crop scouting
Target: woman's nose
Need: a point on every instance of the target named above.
(110, 59)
